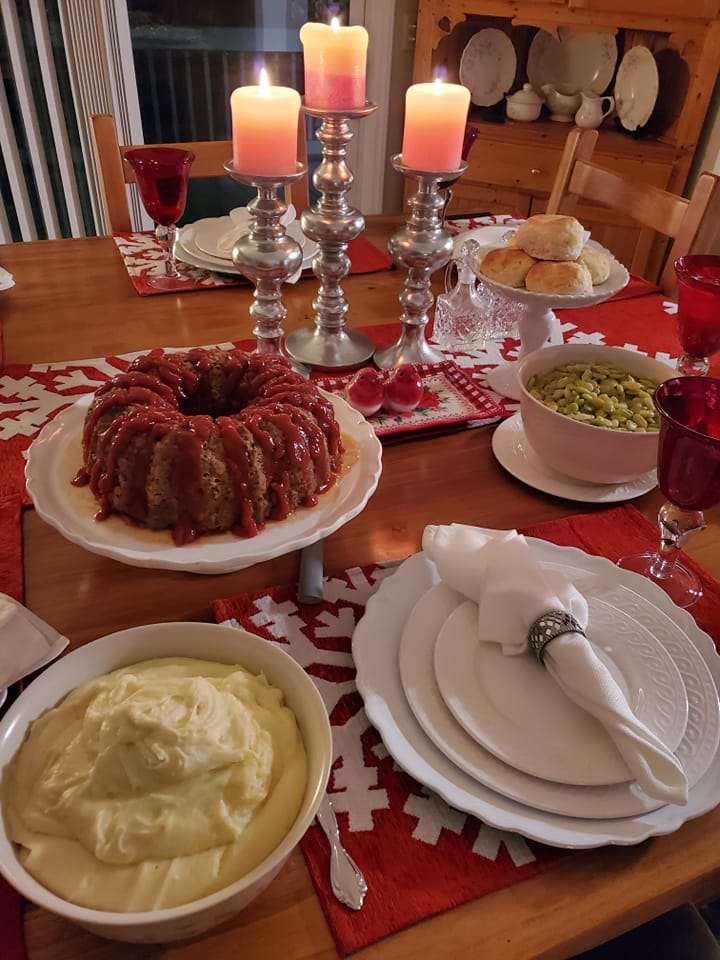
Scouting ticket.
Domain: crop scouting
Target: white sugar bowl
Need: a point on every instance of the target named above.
(524, 105)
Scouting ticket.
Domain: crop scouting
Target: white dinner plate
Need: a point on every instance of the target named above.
(417, 674)
(512, 706)
(487, 66)
(574, 62)
(636, 87)
(617, 280)
(55, 457)
(211, 237)
(374, 648)
(187, 250)
(513, 451)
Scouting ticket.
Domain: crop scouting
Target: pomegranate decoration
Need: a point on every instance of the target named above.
(364, 391)
(403, 389)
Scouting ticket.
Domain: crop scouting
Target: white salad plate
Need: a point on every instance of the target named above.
(636, 87)
(514, 452)
(214, 237)
(375, 652)
(487, 66)
(573, 62)
(417, 674)
(512, 706)
(55, 457)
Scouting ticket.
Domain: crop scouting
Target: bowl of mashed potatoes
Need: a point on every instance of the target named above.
(154, 781)
(587, 410)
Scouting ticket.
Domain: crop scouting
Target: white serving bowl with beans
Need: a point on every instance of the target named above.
(587, 410)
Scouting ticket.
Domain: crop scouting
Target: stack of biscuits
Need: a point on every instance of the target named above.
(547, 255)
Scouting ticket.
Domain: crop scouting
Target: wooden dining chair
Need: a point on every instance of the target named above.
(210, 157)
(684, 221)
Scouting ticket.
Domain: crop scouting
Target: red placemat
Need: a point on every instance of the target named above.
(420, 856)
(12, 937)
(142, 256)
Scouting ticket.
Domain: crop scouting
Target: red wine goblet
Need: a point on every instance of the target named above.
(689, 476)
(698, 316)
(162, 178)
(445, 186)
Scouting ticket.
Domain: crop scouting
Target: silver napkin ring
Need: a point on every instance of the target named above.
(548, 626)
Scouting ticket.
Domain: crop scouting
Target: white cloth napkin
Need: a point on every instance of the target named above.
(6, 279)
(497, 570)
(26, 642)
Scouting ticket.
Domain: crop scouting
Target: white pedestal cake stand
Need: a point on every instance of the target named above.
(537, 321)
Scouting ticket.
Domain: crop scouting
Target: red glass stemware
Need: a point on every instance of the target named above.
(688, 469)
(162, 179)
(698, 316)
(469, 137)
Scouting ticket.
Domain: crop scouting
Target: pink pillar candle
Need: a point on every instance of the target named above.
(265, 129)
(335, 63)
(435, 119)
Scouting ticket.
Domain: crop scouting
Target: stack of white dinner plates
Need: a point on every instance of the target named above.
(208, 243)
(496, 737)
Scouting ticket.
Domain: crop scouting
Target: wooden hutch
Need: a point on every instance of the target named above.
(512, 164)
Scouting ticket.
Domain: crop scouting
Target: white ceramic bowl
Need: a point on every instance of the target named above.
(205, 641)
(579, 450)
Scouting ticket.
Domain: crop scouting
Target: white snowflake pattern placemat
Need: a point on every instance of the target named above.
(419, 855)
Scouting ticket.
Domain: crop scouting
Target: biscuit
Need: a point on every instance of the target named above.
(564, 278)
(506, 265)
(597, 262)
(551, 236)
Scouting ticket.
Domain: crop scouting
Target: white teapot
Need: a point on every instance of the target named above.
(593, 111)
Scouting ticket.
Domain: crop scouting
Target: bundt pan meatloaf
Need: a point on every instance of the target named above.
(207, 441)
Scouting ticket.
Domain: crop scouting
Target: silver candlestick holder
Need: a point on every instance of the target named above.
(332, 223)
(422, 246)
(266, 255)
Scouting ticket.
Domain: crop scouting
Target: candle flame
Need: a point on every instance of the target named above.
(437, 86)
(264, 83)
(335, 23)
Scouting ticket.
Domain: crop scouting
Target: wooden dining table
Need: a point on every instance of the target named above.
(73, 299)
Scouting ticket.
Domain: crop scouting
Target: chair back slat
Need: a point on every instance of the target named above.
(689, 223)
(210, 158)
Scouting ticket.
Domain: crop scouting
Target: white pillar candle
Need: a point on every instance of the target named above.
(335, 60)
(265, 129)
(435, 118)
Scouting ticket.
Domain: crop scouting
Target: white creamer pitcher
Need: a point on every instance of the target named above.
(593, 110)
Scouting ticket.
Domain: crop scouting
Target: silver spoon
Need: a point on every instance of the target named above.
(348, 883)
